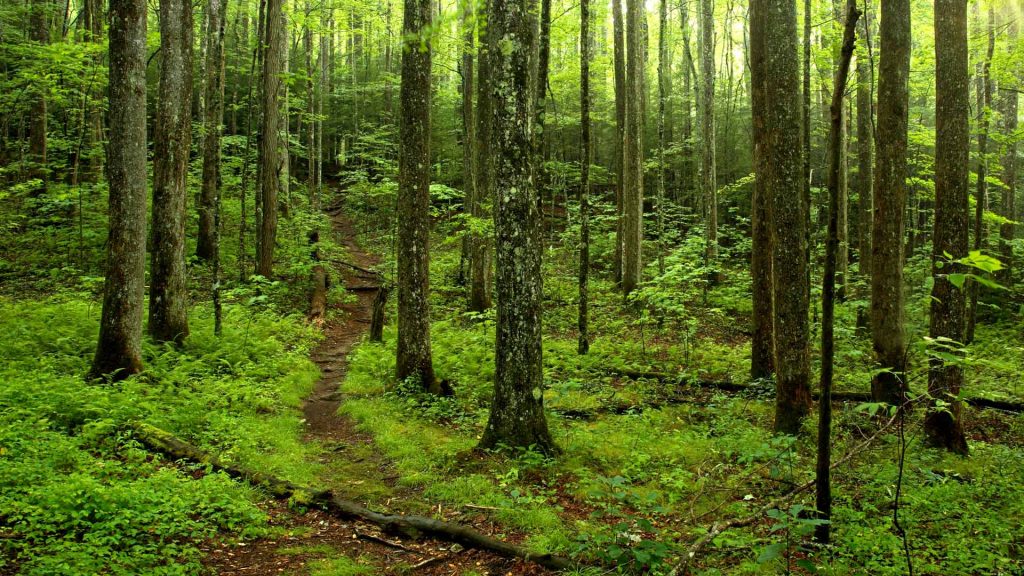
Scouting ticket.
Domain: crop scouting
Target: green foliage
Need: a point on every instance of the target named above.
(77, 493)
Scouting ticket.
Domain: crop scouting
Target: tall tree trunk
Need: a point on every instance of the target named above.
(480, 247)
(890, 198)
(168, 289)
(586, 156)
(270, 147)
(307, 47)
(689, 171)
(620, 130)
(414, 357)
(981, 191)
(805, 188)
(1008, 111)
(540, 138)
(663, 80)
(952, 150)
(119, 350)
(843, 203)
(708, 184)
(633, 159)
(783, 183)
(762, 349)
(468, 132)
(284, 131)
(213, 129)
(865, 150)
(40, 33)
(834, 246)
(517, 412)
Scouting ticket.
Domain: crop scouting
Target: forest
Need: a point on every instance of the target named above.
(511, 287)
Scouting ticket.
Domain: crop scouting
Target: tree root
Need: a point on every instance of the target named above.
(167, 444)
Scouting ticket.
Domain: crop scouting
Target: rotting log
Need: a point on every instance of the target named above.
(169, 445)
(682, 380)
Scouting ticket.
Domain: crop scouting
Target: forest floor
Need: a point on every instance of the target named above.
(315, 543)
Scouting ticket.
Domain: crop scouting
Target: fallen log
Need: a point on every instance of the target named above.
(683, 380)
(169, 445)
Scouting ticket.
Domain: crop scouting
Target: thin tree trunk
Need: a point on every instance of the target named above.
(833, 247)
(468, 135)
(805, 188)
(865, 152)
(213, 129)
(762, 347)
(943, 426)
(981, 191)
(663, 80)
(517, 412)
(119, 350)
(708, 184)
(890, 198)
(620, 130)
(270, 146)
(633, 160)
(480, 248)
(413, 353)
(40, 33)
(586, 156)
(1008, 111)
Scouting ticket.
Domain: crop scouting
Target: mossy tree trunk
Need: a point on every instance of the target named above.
(172, 141)
(517, 411)
(865, 150)
(708, 182)
(586, 156)
(952, 151)
(413, 352)
(762, 341)
(890, 199)
(784, 164)
(119, 350)
(633, 155)
(619, 64)
(480, 244)
(270, 146)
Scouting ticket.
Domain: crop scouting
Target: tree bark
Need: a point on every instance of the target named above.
(517, 412)
(119, 350)
(1008, 111)
(270, 146)
(586, 156)
(633, 154)
(213, 129)
(168, 290)
(833, 248)
(619, 64)
(981, 191)
(40, 33)
(943, 427)
(480, 245)
(890, 197)
(413, 353)
(708, 184)
(783, 183)
(762, 347)
(865, 151)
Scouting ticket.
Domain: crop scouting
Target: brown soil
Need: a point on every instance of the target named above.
(310, 542)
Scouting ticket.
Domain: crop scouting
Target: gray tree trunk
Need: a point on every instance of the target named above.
(168, 289)
(517, 412)
(784, 179)
(890, 198)
(586, 157)
(762, 348)
(119, 350)
(40, 33)
(633, 155)
(952, 150)
(270, 146)
(413, 354)
(213, 129)
(619, 64)
(708, 183)
(1008, 111)
(865, 152)
(480, 245)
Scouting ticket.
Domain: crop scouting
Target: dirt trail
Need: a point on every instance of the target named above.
(315, 543)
